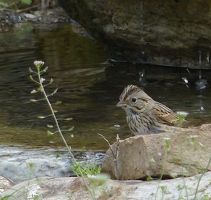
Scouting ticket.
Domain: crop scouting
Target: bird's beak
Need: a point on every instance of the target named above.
(121, 103)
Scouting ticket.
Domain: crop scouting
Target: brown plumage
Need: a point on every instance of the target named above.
(144, 115)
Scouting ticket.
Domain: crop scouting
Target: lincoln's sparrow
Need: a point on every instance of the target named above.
(144, 115)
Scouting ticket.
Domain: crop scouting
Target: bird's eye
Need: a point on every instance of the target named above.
(134, 99)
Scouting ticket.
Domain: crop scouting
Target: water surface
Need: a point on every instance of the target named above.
(89, 88)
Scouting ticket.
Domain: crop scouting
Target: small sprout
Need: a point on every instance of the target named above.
(51, 142)
(58, 155)
(149, 178)
(72, 136)
(193, 140)
(182, 114)
(30, 164)
(83, 149)
(167, 143)
(49, 133)
(50, 126)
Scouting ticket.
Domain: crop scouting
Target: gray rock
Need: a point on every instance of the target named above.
(19, 164)
(172, 33)
(179, 152)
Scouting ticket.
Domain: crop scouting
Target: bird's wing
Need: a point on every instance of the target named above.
(165, 114)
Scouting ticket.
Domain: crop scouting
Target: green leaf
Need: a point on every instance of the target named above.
(31, 71)
(70, 129)
(68, 119)
(58, 103)
(31, 77)
(83, 148)
(39, 89)
(41, 117)
(50, 126)
(45, 70)
(55, 91)
(32, 100)
(149, 178)
(49, 133)
(26, 1)
(58, 155)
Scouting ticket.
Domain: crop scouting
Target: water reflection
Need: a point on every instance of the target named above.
(88, 87)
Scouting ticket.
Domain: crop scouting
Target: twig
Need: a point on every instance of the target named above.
(115, 154)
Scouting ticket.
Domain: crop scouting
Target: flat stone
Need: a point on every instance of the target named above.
(19, 164)
(196, 187)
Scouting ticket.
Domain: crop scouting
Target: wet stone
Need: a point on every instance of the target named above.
(19, 164)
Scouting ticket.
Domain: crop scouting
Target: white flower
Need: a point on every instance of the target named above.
(182, 113)
(166, 138)
(42, 80)
(38, 62)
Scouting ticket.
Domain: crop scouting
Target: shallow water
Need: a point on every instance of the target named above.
(89, 88)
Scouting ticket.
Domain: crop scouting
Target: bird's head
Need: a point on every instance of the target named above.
(134, 98)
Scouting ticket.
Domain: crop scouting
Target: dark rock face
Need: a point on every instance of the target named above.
(172, 33)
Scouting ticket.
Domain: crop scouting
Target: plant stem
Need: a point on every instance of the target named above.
(60, 132)
(204, 171)
(54, 116)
